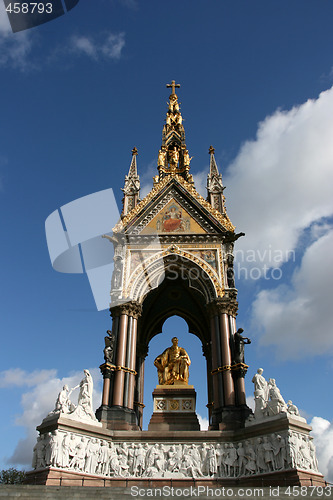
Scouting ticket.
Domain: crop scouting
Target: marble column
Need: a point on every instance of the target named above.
(142, 352)
(131, 365)
(228, 383)
(118, 392)
(118, 389)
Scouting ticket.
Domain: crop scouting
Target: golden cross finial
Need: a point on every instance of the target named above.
(211, 150)
(173, 86)
(134, 151)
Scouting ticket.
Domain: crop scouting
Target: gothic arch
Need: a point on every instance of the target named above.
(175, 262)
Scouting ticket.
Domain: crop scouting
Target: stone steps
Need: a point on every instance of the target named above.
(29, 492)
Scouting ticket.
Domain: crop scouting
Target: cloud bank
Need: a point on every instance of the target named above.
(280, 195)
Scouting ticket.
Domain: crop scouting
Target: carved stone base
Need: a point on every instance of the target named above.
(174, 409)
(55, 477)
(118, 418)
(274, 451)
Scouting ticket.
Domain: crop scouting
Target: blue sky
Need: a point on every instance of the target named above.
(79, 92)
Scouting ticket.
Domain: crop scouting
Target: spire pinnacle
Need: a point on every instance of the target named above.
(173, 86)
(173, 157)
(132, 173)
(215, 186)
(213, 170)
(132, 185)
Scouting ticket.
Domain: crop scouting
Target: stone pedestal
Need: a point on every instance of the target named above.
(174, 409)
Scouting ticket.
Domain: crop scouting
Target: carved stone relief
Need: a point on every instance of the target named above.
(263, 454)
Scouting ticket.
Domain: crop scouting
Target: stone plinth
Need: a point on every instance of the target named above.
(174, 409)
(273, 451)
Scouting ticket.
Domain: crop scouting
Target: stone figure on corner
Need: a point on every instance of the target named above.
(109, 347)
(239, 342)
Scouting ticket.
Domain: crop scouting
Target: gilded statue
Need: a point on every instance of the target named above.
(172, 365)
(161, 157)
(174, 156)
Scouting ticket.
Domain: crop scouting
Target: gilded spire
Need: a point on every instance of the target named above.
(132, 185)
(173, 157)
(215, 186)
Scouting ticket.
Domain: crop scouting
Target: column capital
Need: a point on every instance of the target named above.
(239, 369)
(142, 350)
(224, 305)
(107, 369)
(131, 308)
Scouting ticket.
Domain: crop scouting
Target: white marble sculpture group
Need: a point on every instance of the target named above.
(83, 411)
(263, 454)
(268, 400)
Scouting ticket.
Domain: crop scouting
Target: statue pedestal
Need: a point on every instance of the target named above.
(174, 408)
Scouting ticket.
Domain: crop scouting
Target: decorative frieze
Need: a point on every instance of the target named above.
(103, 457)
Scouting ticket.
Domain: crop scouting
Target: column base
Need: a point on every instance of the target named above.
(118, 418)
(229, 418)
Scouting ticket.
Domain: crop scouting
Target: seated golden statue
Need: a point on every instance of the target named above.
(172, 365)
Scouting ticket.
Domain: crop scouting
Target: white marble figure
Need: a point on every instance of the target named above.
(260, 393)
(84, 410)
(292, 409)
(63, 403)
(260, 454)
(276, 403)
(250, 455)
(231, 460)
(268, 400)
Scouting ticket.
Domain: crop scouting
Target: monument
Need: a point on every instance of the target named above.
(173, 254)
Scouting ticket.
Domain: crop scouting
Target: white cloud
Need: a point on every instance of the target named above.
(38, 402)
(110, 47)
(297, 317)
(204, 423)
(113, 46)
(146, 178)
(280, 195)
(323, 438)
(250, 402)
(14, 47)
(200, 182)
(280, 183)
(85, 45)
(15, 377)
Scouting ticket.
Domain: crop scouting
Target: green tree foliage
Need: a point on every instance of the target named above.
(12, 476)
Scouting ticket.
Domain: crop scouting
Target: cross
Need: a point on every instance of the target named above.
(173, 85)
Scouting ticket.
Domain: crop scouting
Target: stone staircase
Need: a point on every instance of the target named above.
(30, 492)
